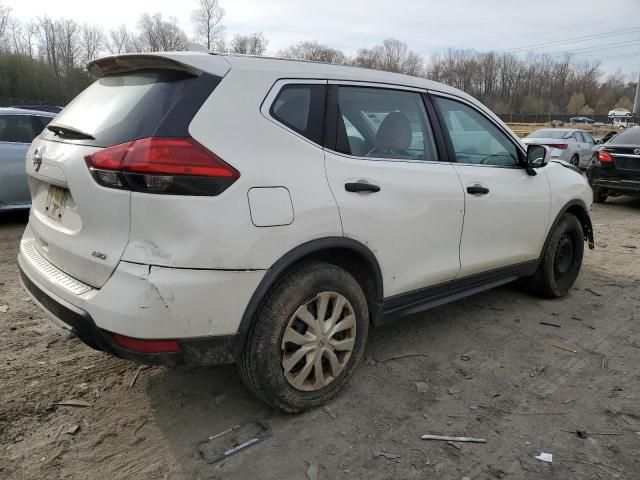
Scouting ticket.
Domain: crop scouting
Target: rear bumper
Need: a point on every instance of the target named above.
(200, 309)
(198, 351)
(616, 185)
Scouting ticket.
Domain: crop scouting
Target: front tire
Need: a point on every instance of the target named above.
(561, 260)
(307, 338)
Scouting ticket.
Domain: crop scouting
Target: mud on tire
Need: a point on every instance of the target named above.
(283, 322)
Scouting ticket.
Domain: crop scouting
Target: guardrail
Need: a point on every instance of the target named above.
(16, 101)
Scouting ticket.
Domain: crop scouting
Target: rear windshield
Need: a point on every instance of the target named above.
(630, 136)
(549, 134)
(124, 107)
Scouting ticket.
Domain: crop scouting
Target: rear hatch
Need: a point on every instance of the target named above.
(79, 225)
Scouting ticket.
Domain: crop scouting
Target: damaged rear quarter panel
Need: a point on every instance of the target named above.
(144, 301)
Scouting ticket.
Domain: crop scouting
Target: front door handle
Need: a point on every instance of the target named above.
(477, 189)
(361, 187)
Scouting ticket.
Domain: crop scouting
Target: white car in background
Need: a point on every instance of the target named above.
(620, 112)
(572, 145)
(205, 209)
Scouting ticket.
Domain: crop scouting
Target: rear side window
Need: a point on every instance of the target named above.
(630, 136)
(123, 107)
(44, 121)
(17, 129)
(301, 108)
(383, 123)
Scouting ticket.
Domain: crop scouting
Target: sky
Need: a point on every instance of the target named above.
(427, 26)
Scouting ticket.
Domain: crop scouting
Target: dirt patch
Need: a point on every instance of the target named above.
(483, 367)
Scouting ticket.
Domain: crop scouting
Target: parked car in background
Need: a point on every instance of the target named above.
(617, 171)
(620, 112)
(18, 128)
(622, 123)
(569, 144)
(581, 120)
(205, 209)
(40, 108)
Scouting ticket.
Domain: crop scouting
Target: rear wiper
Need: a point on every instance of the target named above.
(69, 132)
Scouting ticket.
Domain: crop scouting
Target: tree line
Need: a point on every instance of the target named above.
(45, 58)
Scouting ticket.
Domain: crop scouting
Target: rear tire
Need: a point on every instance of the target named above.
(599, 196)
(575, 161)
(561, 260)
(292, 360)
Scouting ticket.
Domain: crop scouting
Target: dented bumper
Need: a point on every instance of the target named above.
(146, 302)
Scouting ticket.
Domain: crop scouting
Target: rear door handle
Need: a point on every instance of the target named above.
(361, 187)
(477, 189)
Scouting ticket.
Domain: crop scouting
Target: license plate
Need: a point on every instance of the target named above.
(56, 201)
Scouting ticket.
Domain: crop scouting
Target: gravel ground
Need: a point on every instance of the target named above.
(482, 367)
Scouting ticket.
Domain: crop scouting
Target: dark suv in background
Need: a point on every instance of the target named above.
(618, 170)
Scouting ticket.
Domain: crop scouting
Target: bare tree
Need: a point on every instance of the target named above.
(250, 44)
(93, 42)
(393, 56)
(314, 51)
(21, 37)
(68, 43)
(5, 16)
(119, 40)
(47, 35)
(159, 35)
(207, 20)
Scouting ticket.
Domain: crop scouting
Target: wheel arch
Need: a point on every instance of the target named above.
(579, 210)
(346, 253)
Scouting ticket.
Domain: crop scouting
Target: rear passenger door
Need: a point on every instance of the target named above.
(395, 194)
(506, 210)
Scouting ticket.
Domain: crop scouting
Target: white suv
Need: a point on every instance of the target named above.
(205, 209)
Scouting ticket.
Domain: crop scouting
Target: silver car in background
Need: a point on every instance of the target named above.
(18, 128)
(572, 145)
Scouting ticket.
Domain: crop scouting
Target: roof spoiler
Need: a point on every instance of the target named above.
(191, 62)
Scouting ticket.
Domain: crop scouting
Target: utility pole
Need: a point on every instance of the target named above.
(636, 104)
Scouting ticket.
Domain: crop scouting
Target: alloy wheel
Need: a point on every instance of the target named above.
(318, 341)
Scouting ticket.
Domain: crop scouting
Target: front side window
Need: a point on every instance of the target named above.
(17, 129)
(301, 108)
(475, 139)
(382, 123)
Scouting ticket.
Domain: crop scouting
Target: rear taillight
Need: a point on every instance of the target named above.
(605, 157)
(560, 146)
(146, 346)
(174, 166)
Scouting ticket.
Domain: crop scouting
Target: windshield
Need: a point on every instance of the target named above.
(630, 136)
(124, 107)
(549, 133)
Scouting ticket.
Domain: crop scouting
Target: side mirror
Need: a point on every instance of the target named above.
(537, 156)
(598, 142)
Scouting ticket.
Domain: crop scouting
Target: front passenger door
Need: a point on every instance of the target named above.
(506, 210)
